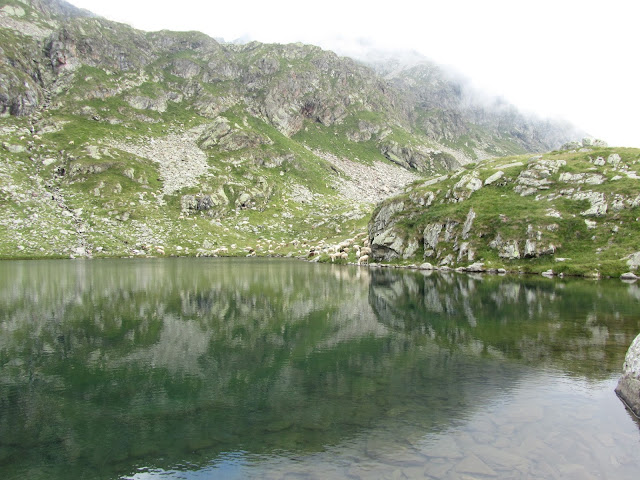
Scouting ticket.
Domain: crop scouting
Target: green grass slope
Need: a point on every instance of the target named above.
(570, 212)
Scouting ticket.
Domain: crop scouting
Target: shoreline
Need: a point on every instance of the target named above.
(475, 268)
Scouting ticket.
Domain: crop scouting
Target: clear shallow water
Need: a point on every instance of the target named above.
(198, 369)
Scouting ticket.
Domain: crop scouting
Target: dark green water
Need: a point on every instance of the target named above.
(191, 368)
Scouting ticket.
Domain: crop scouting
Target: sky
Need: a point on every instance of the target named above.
(564, 59)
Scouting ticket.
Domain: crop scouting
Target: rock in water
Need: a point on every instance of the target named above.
(628, 389)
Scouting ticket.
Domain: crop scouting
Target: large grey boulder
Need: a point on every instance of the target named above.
(628, 388)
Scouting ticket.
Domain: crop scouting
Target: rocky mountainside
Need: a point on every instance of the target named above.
(566, 212)
(449, 111)
(122, 142)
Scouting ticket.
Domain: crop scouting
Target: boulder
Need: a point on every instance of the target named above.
(530, 249)
(596, 199)
(226, 138)
(510, 251)
(468, 224)
(614, 159)
(202, 203)
(384, 242)
(494, 178)
(13, 148)
(633, 261)
(476, 267)
(628, 389)
(432, 236)
(411, 249)
(388, 245)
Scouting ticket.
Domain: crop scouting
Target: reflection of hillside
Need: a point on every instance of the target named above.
(566, 324)
(185, 356)
(118, 362)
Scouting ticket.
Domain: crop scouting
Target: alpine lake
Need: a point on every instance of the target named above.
(281, 369)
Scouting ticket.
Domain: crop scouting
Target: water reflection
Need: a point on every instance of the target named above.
(108, 366)
(583, 328)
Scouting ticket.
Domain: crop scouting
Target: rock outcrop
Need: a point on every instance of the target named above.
(121, 142)
(628, 388)
(569, 212)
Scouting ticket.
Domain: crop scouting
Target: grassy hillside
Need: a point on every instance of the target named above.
(571, 212)
(118, 142)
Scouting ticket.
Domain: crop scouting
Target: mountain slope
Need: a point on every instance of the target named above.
(571, 212)
(450, 111)
(120, 142)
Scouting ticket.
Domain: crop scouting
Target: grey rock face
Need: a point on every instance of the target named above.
(598, 203)
(628, 388)
(432, 236)
(411, 249)
(468, 224)
(633, 261)
(386, 244)
(510, 251)
(383, 219)
(418, 157)
(529, 249)
(494, 178)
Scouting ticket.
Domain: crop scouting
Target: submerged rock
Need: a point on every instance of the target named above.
(628, 389)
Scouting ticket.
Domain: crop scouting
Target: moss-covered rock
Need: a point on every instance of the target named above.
(569, 212)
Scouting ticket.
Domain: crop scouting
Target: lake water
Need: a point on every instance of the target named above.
(224, 368)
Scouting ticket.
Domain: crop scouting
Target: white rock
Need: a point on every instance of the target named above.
(509, 165)
(628, 388)
(596, 199)
(614, 159)
(13, 11)
(431, 235)
(494, 178)
(553, 213)
(510, 251)
(476, 267)
(529, 248)
(475, 184)
(468, 224)
(633, 261)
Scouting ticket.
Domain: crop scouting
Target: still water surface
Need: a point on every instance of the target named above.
(221, 368)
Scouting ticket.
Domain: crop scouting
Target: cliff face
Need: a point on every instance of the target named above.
(567, 212)
(449, 111)
(116, 127)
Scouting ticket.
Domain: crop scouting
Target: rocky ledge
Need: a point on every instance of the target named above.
(628, 389)
(562, 213)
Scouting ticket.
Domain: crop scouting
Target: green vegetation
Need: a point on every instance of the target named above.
(571, 226)
(127, 143)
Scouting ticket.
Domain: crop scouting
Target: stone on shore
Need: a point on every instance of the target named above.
(628, 389)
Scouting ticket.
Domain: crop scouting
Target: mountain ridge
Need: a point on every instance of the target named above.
(119, 142)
